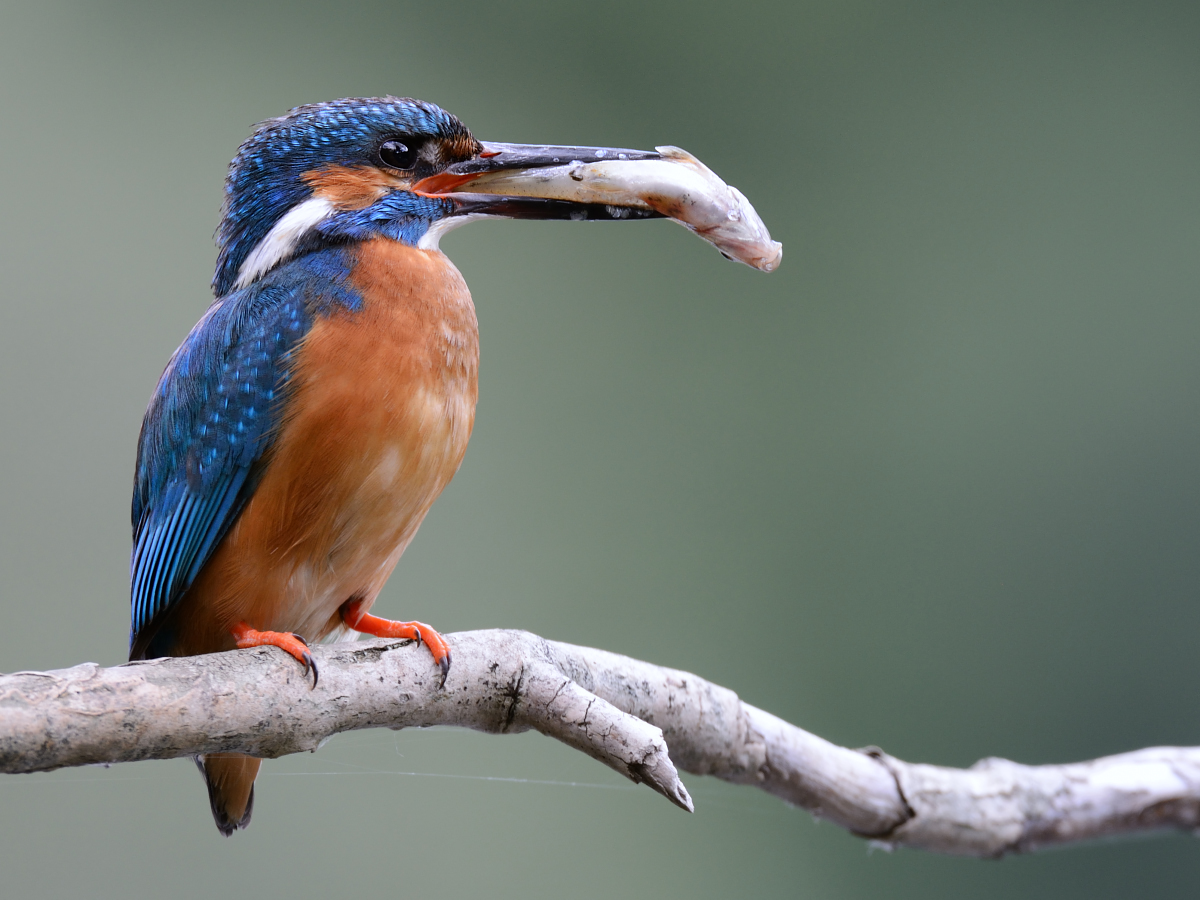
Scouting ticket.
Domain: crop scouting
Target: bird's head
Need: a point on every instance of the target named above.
(347, 170)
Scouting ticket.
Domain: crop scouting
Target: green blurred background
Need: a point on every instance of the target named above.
(932, 485)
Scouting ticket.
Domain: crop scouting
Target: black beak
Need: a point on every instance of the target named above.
(537, 181)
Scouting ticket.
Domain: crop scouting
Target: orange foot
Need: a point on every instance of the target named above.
(292, 643)
(356, 619)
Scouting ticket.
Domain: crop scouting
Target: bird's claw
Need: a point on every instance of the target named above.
(418, 632)
(288, 641)
(307, 659)
(310, 663)
(443, 664)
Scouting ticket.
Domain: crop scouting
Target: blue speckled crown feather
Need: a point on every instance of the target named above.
(264, 179)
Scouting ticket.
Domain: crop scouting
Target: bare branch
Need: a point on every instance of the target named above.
(620, 711)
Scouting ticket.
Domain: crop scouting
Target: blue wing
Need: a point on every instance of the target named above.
(209, 426)
(212, 418)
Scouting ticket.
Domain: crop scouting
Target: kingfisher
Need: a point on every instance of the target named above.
(302, 430)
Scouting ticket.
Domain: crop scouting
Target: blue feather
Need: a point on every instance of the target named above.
(212, 420)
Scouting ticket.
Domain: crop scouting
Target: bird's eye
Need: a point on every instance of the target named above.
(398, 154)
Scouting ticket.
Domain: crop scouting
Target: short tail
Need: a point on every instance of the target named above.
(230, 778)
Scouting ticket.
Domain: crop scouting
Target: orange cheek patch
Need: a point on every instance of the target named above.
(352, 187)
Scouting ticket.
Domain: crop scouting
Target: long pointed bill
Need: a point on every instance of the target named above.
(530, 181)
(518, 181)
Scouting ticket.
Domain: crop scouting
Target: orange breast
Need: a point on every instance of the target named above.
(381, 408)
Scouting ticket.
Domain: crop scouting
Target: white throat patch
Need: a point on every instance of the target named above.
(430, 239)
(282, 239)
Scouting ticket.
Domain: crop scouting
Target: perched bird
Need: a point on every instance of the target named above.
(302, 430)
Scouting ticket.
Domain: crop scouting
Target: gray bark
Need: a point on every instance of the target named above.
(621, 711)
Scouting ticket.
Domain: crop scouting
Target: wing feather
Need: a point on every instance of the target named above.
(209, 426)
(206, 437)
